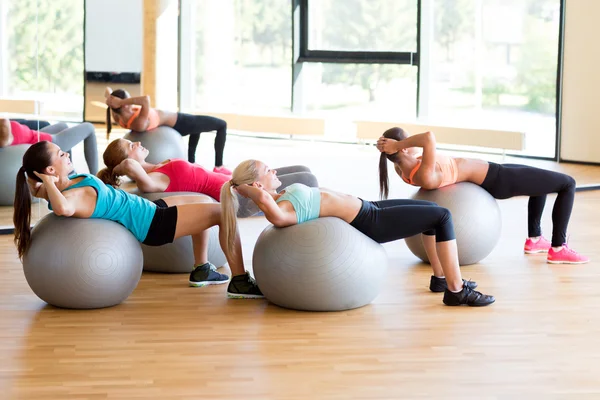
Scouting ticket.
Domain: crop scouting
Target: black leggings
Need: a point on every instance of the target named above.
(508, 180)
(388, 220)
(194, 125)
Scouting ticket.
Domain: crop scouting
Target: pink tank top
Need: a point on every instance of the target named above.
(188, 177)
(22, 134)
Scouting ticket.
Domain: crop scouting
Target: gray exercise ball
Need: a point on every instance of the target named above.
(11, 159)
(82, 263)
(178, 257)
(320, 265)
(162, 142)
(476, 217)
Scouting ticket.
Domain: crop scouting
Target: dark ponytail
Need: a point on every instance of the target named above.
(36, 158)
(108, 123)
(384, 182)
(121, 94)
(22, 214)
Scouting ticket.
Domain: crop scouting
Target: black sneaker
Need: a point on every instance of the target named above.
(467, 296)
(438, 285)
(243, 287)
(206, 274)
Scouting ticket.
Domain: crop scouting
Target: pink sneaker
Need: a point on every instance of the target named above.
(565, 256)
(541, 246)
(222, 170)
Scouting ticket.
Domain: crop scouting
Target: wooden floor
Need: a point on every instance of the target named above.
(170, 341)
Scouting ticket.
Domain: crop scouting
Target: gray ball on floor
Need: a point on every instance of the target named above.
(178, 257)
(82, 263)
(162, 142)
(476, 217)
(320, 265)
(11, 159)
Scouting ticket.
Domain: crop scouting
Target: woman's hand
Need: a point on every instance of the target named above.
(125, 167)
(46, 179)
(247, 190)
(114, 102)
(388, 146)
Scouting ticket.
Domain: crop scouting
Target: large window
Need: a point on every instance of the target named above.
(493, 64)
(487, 64)
(236, 56)
(363, 25)
(43, 54)
(360, 91)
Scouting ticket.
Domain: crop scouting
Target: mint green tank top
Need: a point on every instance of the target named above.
(305, 200)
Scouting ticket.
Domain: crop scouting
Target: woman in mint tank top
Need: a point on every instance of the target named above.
(383, 221)
(45, 174)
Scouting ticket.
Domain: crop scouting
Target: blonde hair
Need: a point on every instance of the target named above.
(246, 173)
(114, 154)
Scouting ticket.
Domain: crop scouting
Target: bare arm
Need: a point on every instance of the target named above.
(37, 189)
(141, 122)
(135, 171)
(60, 204)
(6, 137)
(427, 142)
(427, 174)
(267, 204)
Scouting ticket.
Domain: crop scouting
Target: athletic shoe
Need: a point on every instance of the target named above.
(565, 256)
(438, 285)
(206, 274)
(541, 246)
(243, 287)
(468, 297)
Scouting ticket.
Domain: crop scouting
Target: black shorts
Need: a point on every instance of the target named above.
(164, 223)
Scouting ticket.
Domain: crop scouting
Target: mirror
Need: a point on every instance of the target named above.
(41, 83)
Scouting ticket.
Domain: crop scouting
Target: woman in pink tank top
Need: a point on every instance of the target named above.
(136, 114)
(125, 158)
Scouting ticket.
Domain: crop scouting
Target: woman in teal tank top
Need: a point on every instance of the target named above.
(45, 171)
(382, 221)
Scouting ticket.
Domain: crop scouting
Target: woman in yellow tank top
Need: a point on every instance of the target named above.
(432, 171)
(136, 114)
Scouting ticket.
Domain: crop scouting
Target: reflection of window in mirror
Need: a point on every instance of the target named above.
(41, 83)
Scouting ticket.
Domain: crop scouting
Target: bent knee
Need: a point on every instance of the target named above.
(445, 215)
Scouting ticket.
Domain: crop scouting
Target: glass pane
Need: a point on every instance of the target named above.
(237, 56)
(362, 25)
(58, 39)
(349, 92)
(19, 76)
(484, 74)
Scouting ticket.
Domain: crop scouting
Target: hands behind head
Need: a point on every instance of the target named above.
(46, 179)
(387, 145)
(246, 190)
(114, 102)
(124, 167)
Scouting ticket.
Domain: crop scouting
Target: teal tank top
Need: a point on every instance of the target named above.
(305, 200)
(133, 212)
